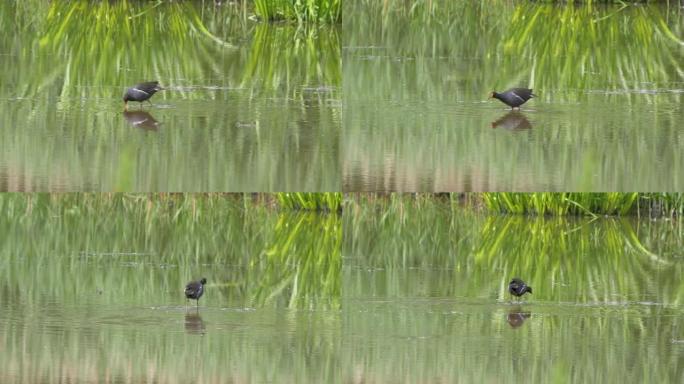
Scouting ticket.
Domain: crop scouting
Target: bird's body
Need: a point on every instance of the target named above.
(518, 287)
(141, 92)
(514, 97)
(195, 289)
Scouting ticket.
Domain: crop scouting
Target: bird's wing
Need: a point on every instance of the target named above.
(516, 95)
(139, 91)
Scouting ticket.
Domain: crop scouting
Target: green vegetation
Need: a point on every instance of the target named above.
(501, 35)
(545, 203)
(561, 204)
(92, 287)
(310, 201)
(417, 75)
(422, 276)
(300, 10)
(444, 235)
(254, 254)
(198, 40)
(249, 106)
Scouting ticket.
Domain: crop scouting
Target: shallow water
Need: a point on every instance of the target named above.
(248, 106)
(98, 295)
(417, 116)
(425, 298)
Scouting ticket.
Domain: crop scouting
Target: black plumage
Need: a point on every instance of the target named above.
(195, 289)
(518, 287)
(141, 92)
(514, 97)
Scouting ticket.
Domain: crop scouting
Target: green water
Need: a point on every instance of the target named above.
(249, 106)
(417, 75)
(92, 291)
(425, 297)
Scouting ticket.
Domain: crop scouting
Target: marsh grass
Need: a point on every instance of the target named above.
(542, 203)
(310, 201)
(329, 11)
(554, 47)
(596, 256)
(255, 255)
(585, 204)
(186, 40)
(242, 94)
(425, 272)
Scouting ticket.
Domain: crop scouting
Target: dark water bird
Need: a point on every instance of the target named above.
(512, 121)
(195, 289)
(516, 317)
(142, 120)
(518, 287)
(141, 92)
(514, 97)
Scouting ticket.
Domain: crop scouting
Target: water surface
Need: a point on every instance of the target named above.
(425, 297)
(248, 106)
(92, 291)
(417, 115)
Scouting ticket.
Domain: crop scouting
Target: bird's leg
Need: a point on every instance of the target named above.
(148, 100)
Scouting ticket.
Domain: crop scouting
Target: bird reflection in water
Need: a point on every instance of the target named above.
(194, 324)
(512, 121)
(142, 120)
(516, 316)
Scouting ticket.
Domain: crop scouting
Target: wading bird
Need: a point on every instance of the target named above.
(514, 97)
(518, 287)
(141, 92)
(195, 289)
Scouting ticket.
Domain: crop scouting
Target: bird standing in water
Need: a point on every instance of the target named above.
(195, 289)
(141, 92)
(514, 97)
(518, 287)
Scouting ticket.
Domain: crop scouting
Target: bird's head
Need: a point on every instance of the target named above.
(203, 281)
(492, 94)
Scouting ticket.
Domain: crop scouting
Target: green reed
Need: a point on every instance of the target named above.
(197, 40)
(171, 238)
(560, 204)
(544, 203)
(329, 11)
(518, 43)
(310, 201)
(596, 256)
(230, 80)
(423, 266)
